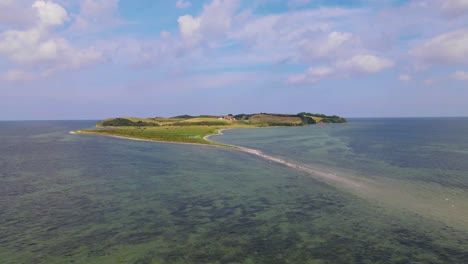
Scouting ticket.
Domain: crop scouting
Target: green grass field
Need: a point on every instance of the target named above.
(187, 129)
(181, 134)
(271, 119)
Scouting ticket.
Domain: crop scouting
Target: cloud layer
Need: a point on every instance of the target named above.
(327, 42)
(233, 45)
(39, 50)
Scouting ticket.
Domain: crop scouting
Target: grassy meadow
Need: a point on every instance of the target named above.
(194, 129)
(181, 134)
(271, 119)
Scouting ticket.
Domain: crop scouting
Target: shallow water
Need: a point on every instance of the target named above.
(92, 199)
(420, 165)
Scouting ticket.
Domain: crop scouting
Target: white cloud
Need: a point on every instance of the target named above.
(188, 25)
(364, 64)
(36, 46)
(336, 39)
(359, 64)
(454, 7)
(308, 36)
(405, 78)
(312, 75)
(50, 13)
(32, 44)
(217, 18)
(460, 75)
(292, 37)
(449, 48)
(321, 71)
(181, 4)
(39, 49)
(213, 24)
(332, 44)
(25, 47)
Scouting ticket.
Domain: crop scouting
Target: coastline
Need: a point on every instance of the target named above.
(161, 141)
(312, 171)
(218, 133)
(366, 188)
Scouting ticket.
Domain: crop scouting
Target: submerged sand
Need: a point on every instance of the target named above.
(379, 191)
(309, 170)
(316, 172)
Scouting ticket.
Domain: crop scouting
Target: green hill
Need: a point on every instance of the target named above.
(261, 119)
(194, 129)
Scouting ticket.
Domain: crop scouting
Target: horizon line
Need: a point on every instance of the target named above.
(356, 117)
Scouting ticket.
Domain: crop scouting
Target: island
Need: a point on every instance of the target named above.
(189, 129)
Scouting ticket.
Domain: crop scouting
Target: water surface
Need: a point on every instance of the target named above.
(418, 164)
(93, 199)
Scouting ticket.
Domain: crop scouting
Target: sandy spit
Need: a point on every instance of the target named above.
(315, 172)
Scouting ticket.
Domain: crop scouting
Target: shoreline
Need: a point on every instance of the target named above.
(160, 141)
(364, 188)
(313, 171)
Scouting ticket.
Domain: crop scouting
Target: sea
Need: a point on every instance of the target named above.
(389, 190)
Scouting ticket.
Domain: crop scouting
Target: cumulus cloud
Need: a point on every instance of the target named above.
(29, 46)
(321, 71)
(460, 75)
(188, 25)
(312, 75)
(454, 7)
(308, 36)
(36, 46)
(332, 44)
(181, 4)
(213, 23)
(39, 48)
(358, 64)
(292, 37)
(217, 18)
(336, 39)
(449, 48)
(364, 64)
(50, 13)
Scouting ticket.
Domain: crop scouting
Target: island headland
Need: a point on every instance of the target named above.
(187, 129)
(196, 130)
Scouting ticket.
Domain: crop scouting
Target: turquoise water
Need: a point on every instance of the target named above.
(92, 199)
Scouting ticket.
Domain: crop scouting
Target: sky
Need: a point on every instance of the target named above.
(94, 59)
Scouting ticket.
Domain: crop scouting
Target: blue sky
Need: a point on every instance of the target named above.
(93, 59)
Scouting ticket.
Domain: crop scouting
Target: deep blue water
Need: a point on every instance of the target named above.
(92, 199)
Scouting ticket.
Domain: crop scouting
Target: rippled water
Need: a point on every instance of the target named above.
(420, 165)
(91, 199)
